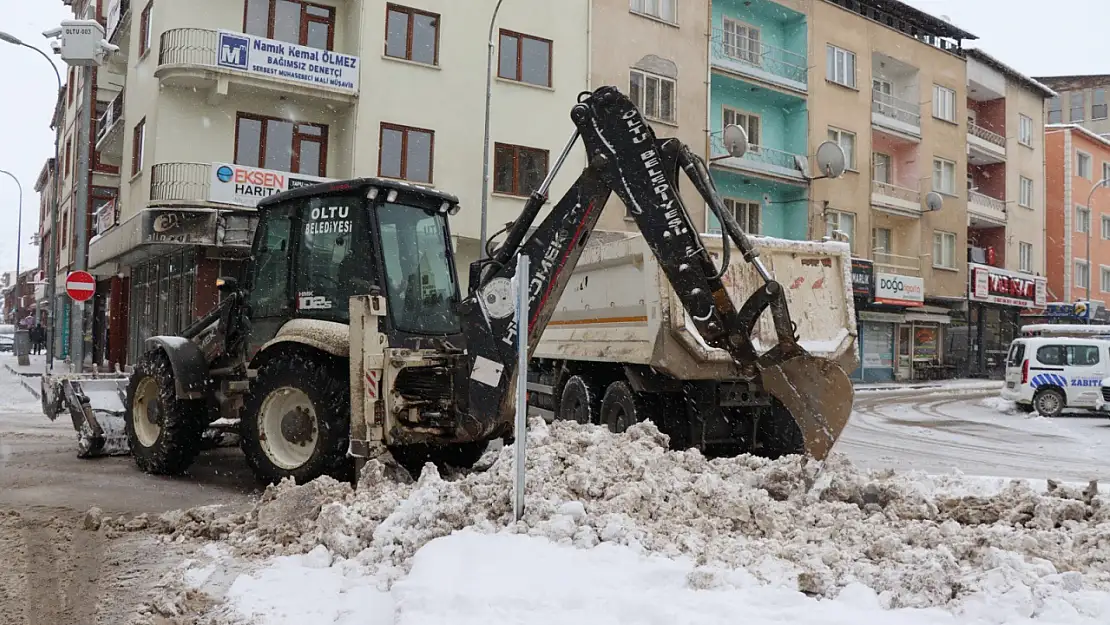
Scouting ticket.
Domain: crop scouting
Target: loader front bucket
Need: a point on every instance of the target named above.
(817, 393)
(94, 405)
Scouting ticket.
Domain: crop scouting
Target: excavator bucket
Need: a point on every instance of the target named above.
(95, 405)
(818, 395)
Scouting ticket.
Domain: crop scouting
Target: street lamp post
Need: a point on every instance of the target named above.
(485, 141)
(1090, 226)
(21, 335)
(52, 261)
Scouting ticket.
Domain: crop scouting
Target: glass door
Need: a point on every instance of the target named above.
(905, 351)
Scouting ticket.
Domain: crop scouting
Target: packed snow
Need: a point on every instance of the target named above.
(618, 529)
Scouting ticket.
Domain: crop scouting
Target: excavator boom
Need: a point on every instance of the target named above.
(625, 157)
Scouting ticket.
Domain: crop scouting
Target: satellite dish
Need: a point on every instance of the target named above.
(831, 160)
(933, 201)
(736, 140)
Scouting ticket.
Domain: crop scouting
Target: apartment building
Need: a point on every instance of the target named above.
(220, 108)
(1081, 100)
(44, 186)
(1077, 256)
(1006, 214)
(661, 64)
(890, 88)
(759, 64)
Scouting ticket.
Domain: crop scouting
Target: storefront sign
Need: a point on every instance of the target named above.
(280, 59)
(246, 186)
(1008, 288)
(899, 290)
(1064, 309)
(106, 217)
(182, 227)
(863, 278)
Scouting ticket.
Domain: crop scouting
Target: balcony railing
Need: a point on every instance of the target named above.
(895, 108)
(986, 135)
(759, 157)
(896, 264)
(120, 19)
(896, 192)
(112, 115)
(987, 202)
(745, 52)
(188, 46)
(179, 181)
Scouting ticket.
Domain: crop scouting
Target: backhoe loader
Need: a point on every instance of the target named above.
(349, 338)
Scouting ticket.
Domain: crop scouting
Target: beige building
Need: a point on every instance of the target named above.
(226, 102)
(661, 62)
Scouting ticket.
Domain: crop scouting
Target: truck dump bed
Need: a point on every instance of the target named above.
(619, 306)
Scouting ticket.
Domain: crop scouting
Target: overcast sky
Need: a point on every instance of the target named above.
(1034, 37)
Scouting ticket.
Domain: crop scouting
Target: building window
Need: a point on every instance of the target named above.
(750, 122)
(839, 221)
(882, 168)
(411, 34)
(1077, 105)
(71, 86)
(406, 153)
(882, 243)
(654, 95)
(659, 9)
(1106, 227)
(1082, 219)
(746, 213)
(840, 66)
(524, 59)
(741, 41)
(281, 144)
(944, 103)
(518, 170)
(847, 141)
(1098, 104)
(144, 29)
(1025, 195)
(293, 21)
(1055, 115)
(69, 153)
(944, 249)
(944, 176)
(1082, 274)
(1025, 130)
(138, 146)
(1025, 257)
(1083, 164)
(1106, 171)
(1104, 279)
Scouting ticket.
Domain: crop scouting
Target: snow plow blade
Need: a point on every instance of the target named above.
(817, 393)
(95, 404)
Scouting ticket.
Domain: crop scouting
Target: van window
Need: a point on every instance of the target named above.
(1051, 355)
(1017, 353)
(1082, 355)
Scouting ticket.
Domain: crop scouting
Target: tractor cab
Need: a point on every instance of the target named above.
(317, 246)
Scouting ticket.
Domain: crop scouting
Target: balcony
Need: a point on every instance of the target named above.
(109, 132)
(758, 160)
(177, 183)
(895, 200)
(984, 210)
(886, 262)
(893, 113)
(119, 22)
(201, 59)
(754, 59)
(984, 146)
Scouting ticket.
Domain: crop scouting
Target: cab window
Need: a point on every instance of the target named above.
(333, 262)
(1052, 355)
(1082, 355)
(269, 284)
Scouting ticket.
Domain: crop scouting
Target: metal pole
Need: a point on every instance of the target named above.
(485, 140)
(81, 216)
(52, 262)
(1090, 226)
(19, 345)
(520, 433)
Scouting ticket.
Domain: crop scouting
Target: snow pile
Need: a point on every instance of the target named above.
(1001, 405)
(789, 523)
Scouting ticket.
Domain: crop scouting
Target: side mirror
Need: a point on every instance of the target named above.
(226, 285)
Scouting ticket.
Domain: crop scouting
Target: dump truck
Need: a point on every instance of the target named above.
(350, 339)
(620, 348)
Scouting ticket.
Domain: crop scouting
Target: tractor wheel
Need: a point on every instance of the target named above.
(579, 401)
(621, 408)
(458, 455)
(163, 431)
(296, 421)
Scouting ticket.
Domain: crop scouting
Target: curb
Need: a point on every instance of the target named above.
(23, 382)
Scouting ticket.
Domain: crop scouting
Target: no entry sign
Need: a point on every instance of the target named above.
(80, 285)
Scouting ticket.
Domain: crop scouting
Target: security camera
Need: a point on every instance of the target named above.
(56, 47)
(53, 32)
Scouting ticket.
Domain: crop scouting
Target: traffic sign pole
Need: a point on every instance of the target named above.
(81, 287)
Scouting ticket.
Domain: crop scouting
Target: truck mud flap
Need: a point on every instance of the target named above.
(817, 393)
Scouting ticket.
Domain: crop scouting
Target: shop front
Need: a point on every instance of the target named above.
(996, 299)
(1081, 312)
(874, 332)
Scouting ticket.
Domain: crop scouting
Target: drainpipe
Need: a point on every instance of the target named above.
(708, 98)
(590, 44)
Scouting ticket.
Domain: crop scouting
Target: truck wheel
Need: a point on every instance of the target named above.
(1049, 402)
(621, 408)
(459, 455)
(296, 421)
(579, 401)
(163, 431)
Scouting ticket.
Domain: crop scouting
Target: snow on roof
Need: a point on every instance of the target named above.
(1093, 136)
(980, 55)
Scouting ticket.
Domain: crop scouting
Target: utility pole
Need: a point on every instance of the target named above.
(81, 215)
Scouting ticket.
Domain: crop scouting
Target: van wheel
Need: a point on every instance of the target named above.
(1049, 402)
(579, 401)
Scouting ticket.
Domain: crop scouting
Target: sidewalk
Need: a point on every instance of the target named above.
(35, 368)
(963, 384)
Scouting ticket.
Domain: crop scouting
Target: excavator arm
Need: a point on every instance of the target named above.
(625, 157)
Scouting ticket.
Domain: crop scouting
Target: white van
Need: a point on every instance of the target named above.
(1048, 374)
